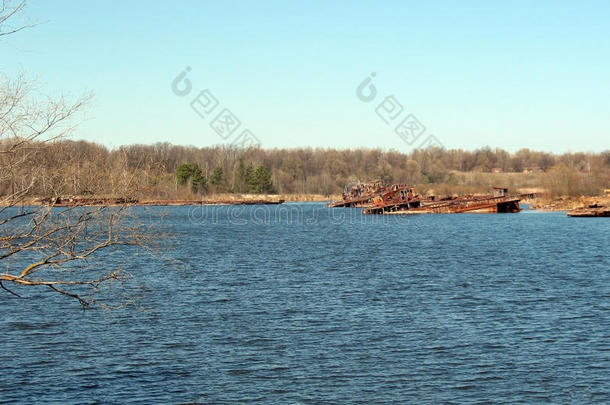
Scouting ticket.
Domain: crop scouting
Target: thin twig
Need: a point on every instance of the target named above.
(69, 294)
(12, 292)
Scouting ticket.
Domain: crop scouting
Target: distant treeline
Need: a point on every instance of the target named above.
(155, 171)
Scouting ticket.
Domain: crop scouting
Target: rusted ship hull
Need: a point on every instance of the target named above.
(350, 203)
(399, 199)
(506, 204)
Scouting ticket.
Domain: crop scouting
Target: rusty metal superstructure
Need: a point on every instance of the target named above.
(359, 194)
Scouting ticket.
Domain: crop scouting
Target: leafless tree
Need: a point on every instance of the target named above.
(65, 249)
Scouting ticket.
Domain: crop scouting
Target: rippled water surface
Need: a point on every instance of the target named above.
(299, 304)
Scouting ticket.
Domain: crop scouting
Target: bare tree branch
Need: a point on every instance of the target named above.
(83, 302)
(48, 245)
(11, 292)
(7, 12)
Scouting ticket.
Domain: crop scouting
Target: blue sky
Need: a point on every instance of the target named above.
(507, 74)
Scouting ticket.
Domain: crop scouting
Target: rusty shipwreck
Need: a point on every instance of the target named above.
(364, 194)
(400, 199)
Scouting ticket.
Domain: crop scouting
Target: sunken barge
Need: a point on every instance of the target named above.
(399, 199)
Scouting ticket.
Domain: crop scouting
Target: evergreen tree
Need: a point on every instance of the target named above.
(217, 177)
(262, 180)
(191, 172)
(249, 179)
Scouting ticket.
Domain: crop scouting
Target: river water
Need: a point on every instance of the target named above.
(302, 304)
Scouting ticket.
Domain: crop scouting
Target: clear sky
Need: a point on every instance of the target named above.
(519, 74)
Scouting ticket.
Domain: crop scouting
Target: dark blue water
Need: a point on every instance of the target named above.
(307, 305)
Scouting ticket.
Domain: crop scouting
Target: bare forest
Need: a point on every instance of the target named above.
(165, 171)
